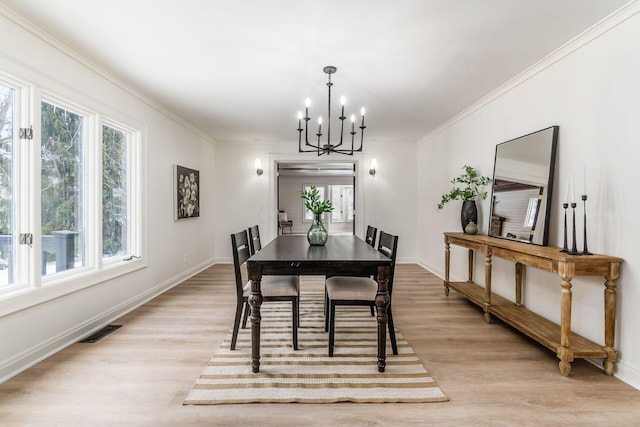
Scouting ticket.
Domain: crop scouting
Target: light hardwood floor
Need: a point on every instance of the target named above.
(140, 374)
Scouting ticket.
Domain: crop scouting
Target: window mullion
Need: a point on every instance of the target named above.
(93, 191)
(28, 190)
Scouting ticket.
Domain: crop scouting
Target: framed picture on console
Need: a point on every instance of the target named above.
(186, 192)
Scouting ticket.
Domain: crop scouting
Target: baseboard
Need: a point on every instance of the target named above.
(30, 357)
(628, 373)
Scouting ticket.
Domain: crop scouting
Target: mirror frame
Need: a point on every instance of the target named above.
(543, 199)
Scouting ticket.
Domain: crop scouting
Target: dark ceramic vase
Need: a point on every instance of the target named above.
(468, 213)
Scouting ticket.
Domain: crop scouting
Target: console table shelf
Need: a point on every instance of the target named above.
(558, 338)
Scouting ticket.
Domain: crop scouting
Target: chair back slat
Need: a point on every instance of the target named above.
(254, 239)
(241, 253)
(370, 237)
(388, 246)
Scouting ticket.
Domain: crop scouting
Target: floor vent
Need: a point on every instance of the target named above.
(101, 334)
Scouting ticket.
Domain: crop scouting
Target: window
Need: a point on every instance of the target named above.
(61, 188)
(308, 215)
(115, 193)
(342, 200)
(72, 192)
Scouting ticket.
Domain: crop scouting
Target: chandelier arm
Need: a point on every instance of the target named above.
(314, 147)
(362, 128)
(319, 148)
(329, 84)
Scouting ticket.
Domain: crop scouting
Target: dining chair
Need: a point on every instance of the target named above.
(361, 291)
(254, 239)
(283, 222)
(255, 245)
(370, 237)
(274, 288)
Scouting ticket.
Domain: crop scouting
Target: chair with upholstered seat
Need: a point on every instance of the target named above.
(370, 237)
(361, 291)
(283, 222)
(274, 288)
(255, 245)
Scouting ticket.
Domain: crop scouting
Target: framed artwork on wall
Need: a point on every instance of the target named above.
(186, 192)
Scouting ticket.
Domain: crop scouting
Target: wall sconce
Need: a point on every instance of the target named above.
(374, 167)
(258, 166)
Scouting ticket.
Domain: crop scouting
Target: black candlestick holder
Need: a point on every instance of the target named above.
(585, 251)
(565, 248)
(574, 249)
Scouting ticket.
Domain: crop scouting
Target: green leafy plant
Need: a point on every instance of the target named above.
(467, 186)
(312, 201)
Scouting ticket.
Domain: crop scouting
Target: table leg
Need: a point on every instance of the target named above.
(564, 352)
(519, 280)
(610, 319)
(470, 265)
(382, 302)
(447, 260)
(487, 287)
(255, 301)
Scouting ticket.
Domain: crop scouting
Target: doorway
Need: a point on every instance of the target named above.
(335, 180)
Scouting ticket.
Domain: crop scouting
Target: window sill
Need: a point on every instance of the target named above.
(23, 298)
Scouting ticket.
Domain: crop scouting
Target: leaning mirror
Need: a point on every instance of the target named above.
(522, 187)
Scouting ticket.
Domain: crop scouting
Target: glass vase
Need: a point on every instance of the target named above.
(317, 234)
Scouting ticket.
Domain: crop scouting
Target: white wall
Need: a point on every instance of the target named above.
(386, 201)
(174, 250)
(591, 89)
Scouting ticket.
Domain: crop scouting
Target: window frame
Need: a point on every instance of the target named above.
(29, 287)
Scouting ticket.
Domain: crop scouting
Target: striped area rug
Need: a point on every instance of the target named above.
(308, 375)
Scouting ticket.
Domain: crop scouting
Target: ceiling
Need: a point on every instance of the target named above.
(240, 70)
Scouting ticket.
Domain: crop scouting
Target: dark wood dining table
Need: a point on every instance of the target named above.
(341, 255)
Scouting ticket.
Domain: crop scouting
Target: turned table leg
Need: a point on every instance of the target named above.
(610, 319)
(564, 352)
(487, 287)
(447, 259)
(519, 280)
(382, 302)
(255, 301)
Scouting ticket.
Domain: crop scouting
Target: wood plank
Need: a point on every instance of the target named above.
(469, 290)
(531, 324)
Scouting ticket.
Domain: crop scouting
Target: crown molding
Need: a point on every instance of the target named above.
(594, 32)
(34, 28)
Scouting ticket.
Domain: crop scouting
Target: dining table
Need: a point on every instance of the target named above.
(341, 255)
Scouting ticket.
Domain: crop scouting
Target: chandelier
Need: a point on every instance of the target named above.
(325, 146)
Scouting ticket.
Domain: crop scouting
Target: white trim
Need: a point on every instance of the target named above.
(594, 32)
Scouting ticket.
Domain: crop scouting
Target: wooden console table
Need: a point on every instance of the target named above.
(559, 338)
